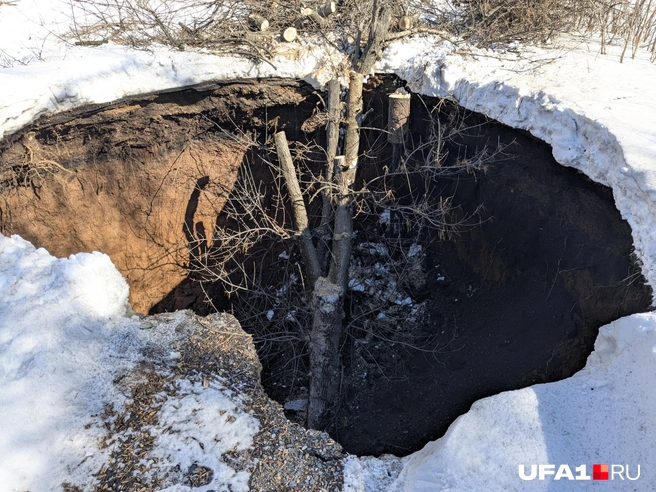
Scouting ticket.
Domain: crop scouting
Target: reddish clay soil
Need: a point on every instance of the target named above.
(138, 180)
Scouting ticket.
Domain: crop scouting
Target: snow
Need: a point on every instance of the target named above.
(60, 76)
(66, 331)
(603, 414)
(66, 335)
(369, 473)
(54, 314)
(184, 420)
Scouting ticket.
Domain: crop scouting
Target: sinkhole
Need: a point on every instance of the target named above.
(506, 289)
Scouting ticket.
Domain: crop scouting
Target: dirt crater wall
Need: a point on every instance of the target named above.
(135, 178)
(525, 291)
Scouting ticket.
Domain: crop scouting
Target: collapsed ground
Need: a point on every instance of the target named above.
(514, 298)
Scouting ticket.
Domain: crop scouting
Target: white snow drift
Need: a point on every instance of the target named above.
(65, 338)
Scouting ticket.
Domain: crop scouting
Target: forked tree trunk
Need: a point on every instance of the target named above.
(328, 307)
(329, 293)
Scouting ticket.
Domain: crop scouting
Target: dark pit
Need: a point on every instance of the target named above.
(513, 297)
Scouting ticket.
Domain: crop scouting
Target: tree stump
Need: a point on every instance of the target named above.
(398, 116)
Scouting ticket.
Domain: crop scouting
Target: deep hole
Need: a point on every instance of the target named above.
(514, 297)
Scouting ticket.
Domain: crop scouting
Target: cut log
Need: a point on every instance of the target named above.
(314, 16)
(329, 9)
(405, 23)
(398, 116)
(289, 35)
(352, 136)
(258, 22)
(259, 37)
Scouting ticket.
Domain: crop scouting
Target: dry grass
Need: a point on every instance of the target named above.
(488, 22)
(218, 25)
(222, 26)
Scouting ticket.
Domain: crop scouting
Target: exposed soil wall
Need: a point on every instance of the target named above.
(136, 179)
(516, 300)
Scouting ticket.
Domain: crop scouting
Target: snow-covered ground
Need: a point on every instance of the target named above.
(66, 339)
(64, 334)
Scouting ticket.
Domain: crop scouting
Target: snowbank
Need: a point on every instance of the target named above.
(65, 342)
(45, 75)
(54, 367)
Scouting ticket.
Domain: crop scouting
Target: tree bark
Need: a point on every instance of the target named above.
(325, 365)
(332, 140)
(289, 35)
(343, 228)
(378, 29)
(398, 116)
(329, 293)
(310, 260)
(314, 15)
(328, 310)
(352, 137)
(328, 9)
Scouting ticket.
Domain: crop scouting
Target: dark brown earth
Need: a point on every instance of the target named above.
(514, 300)
(521, 301)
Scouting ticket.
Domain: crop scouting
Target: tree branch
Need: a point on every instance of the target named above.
(332, 139)
(343, 229)
(378, 29)
(309, 253)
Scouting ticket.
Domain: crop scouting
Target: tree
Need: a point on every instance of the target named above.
(326, 244)
(230, 254)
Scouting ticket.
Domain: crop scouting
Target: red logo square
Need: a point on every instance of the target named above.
(599, 472)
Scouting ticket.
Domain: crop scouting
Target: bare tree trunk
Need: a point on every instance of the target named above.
(343, 228)
(329, 293)
(332, 140)
(352, 137)
(325, 366)
(328, 309)
(309, 253)
(378, 29)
